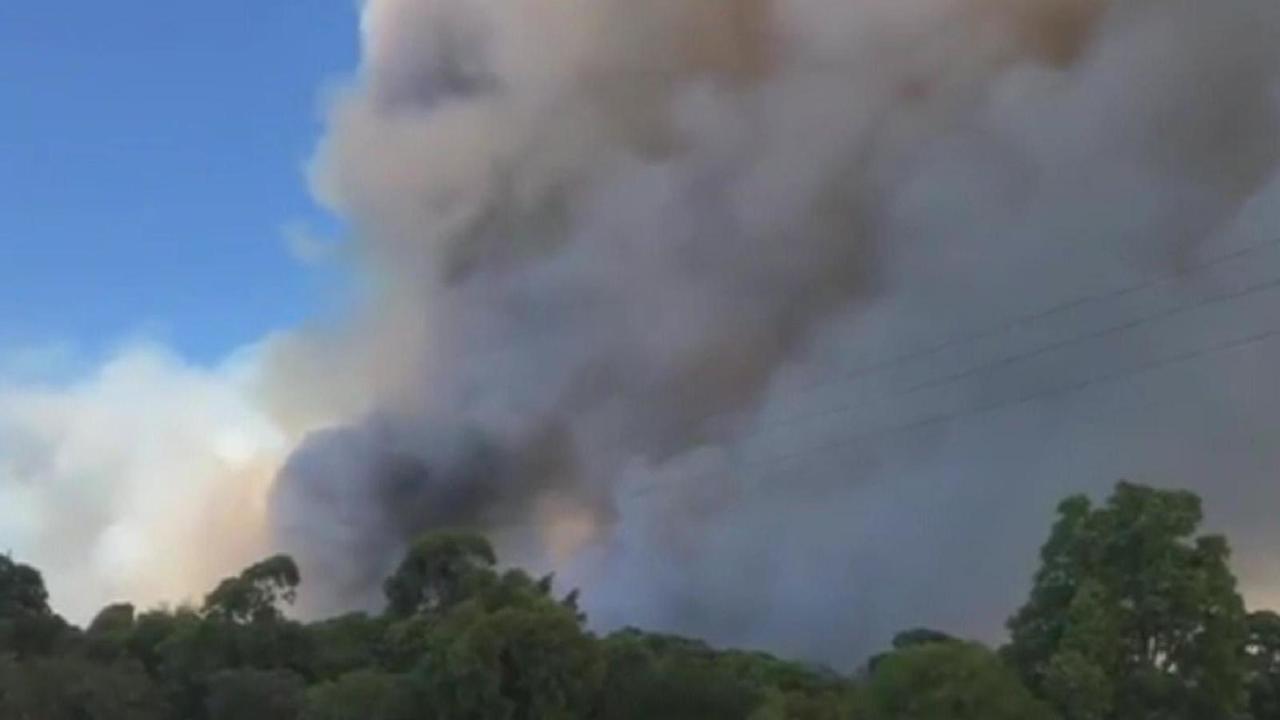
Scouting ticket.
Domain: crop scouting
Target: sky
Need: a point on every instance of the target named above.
(152, 171)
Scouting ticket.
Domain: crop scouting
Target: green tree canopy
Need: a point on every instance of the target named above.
(650, 676)
(439, 571)
(27, 625)
(951, 680)
(1262, 650)
(256, 593)
(1132, 615)
(254, 695)
(70, 687)
(346, 644)
(361, 695)
(532, 662)
(108, 634)
(22, 590)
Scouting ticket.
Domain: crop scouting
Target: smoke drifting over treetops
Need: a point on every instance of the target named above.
(714, 306)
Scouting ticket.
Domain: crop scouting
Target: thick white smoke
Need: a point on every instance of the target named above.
(144, 481)
(787, 322)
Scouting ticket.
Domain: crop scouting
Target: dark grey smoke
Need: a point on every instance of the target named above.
(651, 281)
(409, 480)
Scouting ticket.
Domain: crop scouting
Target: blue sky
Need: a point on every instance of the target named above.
(150, 153)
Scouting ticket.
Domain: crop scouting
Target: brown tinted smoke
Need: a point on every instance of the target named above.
(650, 283)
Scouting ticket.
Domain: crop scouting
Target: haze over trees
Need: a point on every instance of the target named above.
(1132, 615)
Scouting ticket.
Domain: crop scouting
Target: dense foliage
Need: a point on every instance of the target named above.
(1131, 616)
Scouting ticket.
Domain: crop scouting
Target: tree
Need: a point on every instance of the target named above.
(920, 636)
(256, 593)
(254, 695)
(947, 681)
(74, 688)
(659, 676)
(1132, 615)
(910, 638)
(27, 625)
(361, 695)
(22, 589)
(791, 690)
(438, 572)
(346, 644)
(108, 635)
(280, 644)
(519, 663)
(1262, 650)
(185, 649)
(150, 631)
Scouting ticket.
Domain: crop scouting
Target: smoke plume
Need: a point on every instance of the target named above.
(140, 482)
(787, 322)
(644, 268)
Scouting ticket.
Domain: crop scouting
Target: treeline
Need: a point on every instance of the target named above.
(1131, 616)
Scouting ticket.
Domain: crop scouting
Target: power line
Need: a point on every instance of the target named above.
(1118, 329)
(1176, 359)
(1020, 321)
(1104, 332)
(952, 416)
